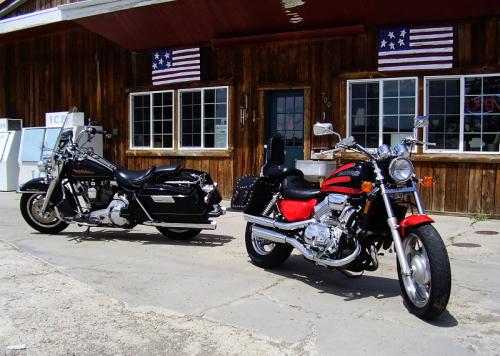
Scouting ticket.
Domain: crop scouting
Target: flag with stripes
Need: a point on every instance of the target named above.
(175, 66)
(407, 48)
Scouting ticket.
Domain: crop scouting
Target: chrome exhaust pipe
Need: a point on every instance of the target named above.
(273, 236)
(267, 222)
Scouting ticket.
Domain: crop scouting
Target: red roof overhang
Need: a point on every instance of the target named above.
(186, 22)
(189, 22)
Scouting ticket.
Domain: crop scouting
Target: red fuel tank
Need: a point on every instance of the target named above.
(347, 179)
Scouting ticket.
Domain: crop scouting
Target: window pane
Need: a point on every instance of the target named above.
(407, 87)
(358, 91)
(437, 87)
(190, 115)
(364, 107)
(390, 88)
(399, 110)
(221, 95)
(481, 114)
(141, 120)
(391, 106)
(443, 107)
(473, 85)
(407, 106)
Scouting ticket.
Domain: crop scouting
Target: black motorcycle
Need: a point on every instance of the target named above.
(81, 187)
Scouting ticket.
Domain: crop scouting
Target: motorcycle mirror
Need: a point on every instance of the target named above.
(348, 141)
(421, 121)
(321, 129)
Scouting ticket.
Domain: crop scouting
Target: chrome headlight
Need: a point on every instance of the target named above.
(400, 169)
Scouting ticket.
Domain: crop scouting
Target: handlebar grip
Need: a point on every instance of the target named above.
(431, 143)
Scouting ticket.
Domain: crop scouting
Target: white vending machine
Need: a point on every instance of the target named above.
(10, 139)
(38, 142)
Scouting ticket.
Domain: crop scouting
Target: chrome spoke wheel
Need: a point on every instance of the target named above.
(418, 284)
(47, 219)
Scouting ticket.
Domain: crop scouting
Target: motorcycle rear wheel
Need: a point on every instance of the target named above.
(47, 223)
(178, 234)
(427, 290)
(263, 253)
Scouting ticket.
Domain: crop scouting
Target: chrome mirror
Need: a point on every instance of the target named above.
(321, 129)
(421, 121)
(348, 141)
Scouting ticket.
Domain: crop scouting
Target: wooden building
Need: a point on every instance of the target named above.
(266, 66)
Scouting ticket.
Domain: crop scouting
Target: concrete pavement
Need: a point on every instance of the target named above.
(296, 309)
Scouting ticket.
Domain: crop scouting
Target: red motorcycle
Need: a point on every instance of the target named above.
(360, 209)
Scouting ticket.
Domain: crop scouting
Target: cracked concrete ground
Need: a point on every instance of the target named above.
(134, 292)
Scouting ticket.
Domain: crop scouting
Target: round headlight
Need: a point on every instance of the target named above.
(400, 169)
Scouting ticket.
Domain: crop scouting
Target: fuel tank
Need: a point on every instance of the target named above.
(347, 178)
(87, 169)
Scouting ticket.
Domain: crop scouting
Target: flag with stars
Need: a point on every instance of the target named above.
(175, 66)
(407, 48)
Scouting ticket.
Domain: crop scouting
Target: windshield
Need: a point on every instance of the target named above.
(59, 131)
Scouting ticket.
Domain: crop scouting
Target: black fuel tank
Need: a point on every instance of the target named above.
(87, 169)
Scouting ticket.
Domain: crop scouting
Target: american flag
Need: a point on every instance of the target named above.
(174, 66)
(408, 48)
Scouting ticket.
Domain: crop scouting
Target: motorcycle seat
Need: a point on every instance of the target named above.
(297, 188)
(134, 179)
(276, 172)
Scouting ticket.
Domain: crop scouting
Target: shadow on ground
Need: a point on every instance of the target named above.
(334, 282)
(203, 239)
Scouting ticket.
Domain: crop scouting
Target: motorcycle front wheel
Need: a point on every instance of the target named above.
(264, 253)
(178, 234)
(427, 290)
(47, 223)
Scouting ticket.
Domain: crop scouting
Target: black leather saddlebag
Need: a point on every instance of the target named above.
(251, 194)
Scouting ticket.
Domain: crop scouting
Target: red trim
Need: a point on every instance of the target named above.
(342, 190)
(413, 220)
(334, 180)
(340, 169)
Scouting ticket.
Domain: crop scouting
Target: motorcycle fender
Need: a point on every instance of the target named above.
(36, 185)
(413, 220)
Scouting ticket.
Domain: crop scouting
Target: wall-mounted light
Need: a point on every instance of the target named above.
(243, 109)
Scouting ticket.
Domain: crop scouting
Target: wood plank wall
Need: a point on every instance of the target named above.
(468, 188)
(73, 68)
(76, 67)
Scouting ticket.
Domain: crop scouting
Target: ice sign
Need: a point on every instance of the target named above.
(56, 119)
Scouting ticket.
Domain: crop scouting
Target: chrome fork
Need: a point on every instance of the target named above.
(392, 221)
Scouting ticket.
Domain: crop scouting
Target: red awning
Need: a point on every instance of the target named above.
(185, 22)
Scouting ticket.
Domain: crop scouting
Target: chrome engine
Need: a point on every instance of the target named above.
(333, 216)
(111, 216)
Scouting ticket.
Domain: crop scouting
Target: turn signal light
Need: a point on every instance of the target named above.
(427, 181)
(366, 187)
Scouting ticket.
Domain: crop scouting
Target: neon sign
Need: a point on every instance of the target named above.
(482, 104)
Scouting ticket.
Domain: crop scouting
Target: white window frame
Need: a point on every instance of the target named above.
(131, 124)
(461, 113)
(179, 112)
(380, 103)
